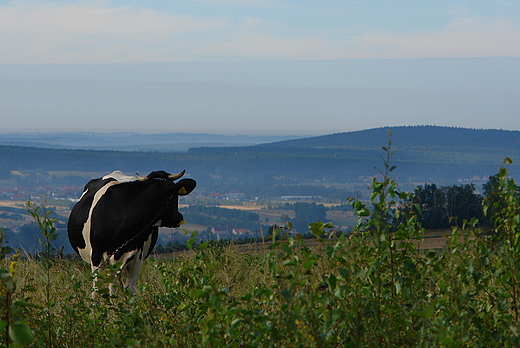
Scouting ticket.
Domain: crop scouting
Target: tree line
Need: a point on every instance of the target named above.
(439, 207)
(305, 213)
(216, 216)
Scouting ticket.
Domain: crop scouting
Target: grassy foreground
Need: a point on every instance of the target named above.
(370, 289)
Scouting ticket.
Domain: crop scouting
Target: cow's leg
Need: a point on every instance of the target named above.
(130, 266)
(135, 264)
(95, 292)
(133, 273)
(95, 271)
(97, 264)
(112, 288)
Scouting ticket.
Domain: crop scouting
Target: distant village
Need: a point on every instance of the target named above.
(31, 189)
(15, 193)
(23, 187)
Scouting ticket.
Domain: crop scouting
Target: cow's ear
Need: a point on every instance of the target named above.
(185, 186)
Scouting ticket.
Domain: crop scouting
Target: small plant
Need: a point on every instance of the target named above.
(505, 242)
(45, 223)
(13, 325)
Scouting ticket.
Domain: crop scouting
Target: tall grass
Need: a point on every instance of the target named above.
(373, 288)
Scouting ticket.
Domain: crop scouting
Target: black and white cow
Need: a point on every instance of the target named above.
(118, 216)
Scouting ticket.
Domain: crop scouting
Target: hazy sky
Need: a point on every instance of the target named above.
(258, 66)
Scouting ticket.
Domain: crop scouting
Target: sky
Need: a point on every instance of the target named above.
(258, 66)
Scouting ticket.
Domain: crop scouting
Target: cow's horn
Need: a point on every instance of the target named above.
(141, 178)
(176, 176)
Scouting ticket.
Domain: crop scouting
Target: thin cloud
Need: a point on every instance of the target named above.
(81, 33)
(244, 3)
(253, 46)
(466, 37)
(86, 32)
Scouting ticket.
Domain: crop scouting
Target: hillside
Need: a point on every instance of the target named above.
(424, 136)
(404, 139)
(423, 154)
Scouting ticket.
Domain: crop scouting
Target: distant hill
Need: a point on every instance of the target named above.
(404, 137)
(422, 154)
(414, 136)
(421, 144)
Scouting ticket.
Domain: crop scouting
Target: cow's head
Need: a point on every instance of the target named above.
(171, 217)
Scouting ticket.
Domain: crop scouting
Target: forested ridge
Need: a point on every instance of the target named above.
(413, 143)
(422, 154)
(431, 136)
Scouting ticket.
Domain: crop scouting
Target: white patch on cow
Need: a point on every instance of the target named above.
(147, 246)
(84, 193)
(86, 253)
(120, 177)
(123, 259)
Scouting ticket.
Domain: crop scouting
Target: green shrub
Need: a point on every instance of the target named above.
(13, 324)
(372, 288)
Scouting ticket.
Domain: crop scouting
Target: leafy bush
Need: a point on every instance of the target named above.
(13, 324)
(372, 288)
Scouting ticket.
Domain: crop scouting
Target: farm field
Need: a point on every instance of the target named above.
(273, 216)
(267, 216)
(23, 217)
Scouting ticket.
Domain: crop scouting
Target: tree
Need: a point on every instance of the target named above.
(307, 213)
(463, 203)
(446, 206)
(493, 198)
(432, 202)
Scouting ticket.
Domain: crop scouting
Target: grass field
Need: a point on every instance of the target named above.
(431, 240)
(282, 294)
